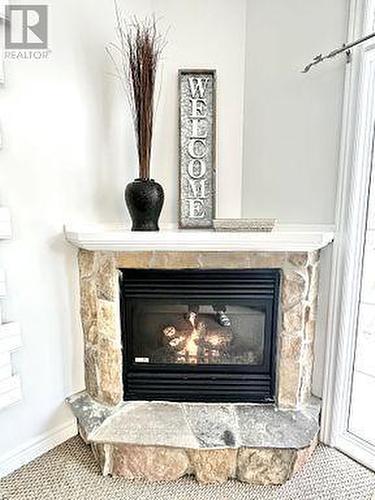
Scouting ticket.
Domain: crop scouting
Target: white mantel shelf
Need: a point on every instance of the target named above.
(285, 238)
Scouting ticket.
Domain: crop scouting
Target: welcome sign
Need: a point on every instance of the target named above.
(197, 148)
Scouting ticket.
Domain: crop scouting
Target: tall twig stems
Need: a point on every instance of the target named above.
(136, 57)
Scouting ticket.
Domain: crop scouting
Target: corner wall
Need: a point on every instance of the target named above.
(292, 120)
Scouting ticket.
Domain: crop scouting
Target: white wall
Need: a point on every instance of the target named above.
(68, 153)
(292, 120)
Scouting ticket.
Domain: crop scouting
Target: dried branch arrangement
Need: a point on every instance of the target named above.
(136, 57)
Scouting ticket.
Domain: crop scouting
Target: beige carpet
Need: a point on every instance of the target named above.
(69, 472)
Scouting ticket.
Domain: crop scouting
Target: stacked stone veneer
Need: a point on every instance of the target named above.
(99, 283)
(159, 463)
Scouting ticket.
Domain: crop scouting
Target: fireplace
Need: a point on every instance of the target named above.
(199, 335)
(178, 350)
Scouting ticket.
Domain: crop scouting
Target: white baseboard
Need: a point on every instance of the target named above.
(36, 447)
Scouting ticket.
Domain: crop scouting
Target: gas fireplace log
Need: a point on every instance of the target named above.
(196, 340)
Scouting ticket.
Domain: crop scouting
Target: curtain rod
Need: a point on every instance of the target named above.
(345, 48)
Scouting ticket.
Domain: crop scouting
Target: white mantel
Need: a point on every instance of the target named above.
(112, 237)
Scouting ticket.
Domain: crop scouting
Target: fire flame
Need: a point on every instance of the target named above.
(191, 347)
(199, 343)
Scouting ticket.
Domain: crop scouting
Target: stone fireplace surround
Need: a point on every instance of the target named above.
(260, 444)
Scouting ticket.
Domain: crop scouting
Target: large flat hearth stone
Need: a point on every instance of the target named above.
(194, 425)
(89, 413)
(156, 440)
(147, 424)
(213, 425)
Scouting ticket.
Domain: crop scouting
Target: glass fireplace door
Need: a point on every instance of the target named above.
(198, 333)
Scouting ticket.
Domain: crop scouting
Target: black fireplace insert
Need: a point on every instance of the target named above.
(199, 335)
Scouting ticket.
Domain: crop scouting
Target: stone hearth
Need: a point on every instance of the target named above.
(260, 444)
(162, 441)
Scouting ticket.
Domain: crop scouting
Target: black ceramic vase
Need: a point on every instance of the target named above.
(144, 199)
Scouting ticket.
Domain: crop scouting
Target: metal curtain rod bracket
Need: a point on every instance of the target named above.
(344, 48)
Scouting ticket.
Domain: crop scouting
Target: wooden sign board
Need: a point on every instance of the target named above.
(197, 91)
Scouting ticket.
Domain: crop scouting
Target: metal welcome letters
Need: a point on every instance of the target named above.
(197, 148)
